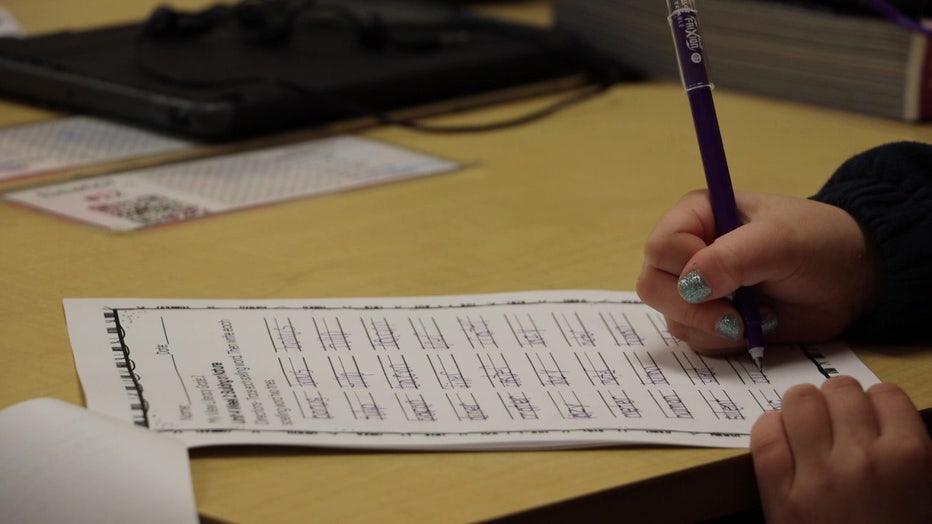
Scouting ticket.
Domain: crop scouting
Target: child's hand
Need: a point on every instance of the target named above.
(811, 263)
(842, 455)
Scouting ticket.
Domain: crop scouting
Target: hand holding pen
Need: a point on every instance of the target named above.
(809, 262)
(684, 22)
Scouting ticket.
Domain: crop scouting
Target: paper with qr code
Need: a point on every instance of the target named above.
(77, 141)
(9, 26)
(182, 191)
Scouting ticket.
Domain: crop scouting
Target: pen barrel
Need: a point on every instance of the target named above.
(690, 56)
(714, 161)
(687, 40)
(745, 302)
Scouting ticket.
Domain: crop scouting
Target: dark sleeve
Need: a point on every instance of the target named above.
(888, 190)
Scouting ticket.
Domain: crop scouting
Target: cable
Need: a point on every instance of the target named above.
(585, 94)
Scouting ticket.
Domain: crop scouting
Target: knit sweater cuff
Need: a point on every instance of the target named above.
(888, 190)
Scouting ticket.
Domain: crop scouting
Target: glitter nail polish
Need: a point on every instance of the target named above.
(692, 288)
(768, 322)
(729, 327)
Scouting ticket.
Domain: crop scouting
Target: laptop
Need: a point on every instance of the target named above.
(225, 73)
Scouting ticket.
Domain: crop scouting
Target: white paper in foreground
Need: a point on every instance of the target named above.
(518, 370)
(186, 190)
(63, 463)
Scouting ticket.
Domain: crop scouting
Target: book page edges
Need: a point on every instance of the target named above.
(917, 84)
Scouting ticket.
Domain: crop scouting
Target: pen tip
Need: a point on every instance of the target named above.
(757, 355)
(759, 362)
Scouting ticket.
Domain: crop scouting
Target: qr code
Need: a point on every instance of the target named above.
(151, 209)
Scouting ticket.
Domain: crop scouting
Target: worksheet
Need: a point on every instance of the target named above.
(525, 370)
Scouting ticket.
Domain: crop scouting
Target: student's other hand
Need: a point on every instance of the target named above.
(811, 262)
(842, 455)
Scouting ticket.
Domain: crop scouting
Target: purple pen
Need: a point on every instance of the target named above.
(684, 22)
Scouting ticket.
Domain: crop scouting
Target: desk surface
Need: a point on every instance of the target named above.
(562, 203)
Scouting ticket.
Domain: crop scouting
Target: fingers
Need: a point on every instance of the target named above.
(904, 441)
(807, 422)
(795, 445)
(896, 413)
(747, 256)
(702, 342)
(840, 454)
(851, 412)
(681, 236)
(683, 243)
(773, 457)
(682, 231)
(709, 327)
(671, 252)
(842, 415)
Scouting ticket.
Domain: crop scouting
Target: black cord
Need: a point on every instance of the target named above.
(586, 93)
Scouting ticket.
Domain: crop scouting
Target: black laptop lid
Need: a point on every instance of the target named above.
(222, 81)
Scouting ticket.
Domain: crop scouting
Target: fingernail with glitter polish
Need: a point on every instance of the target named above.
(692, 288)
(729, 327)
(768, 322)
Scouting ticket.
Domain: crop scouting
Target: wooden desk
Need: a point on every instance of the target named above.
(562, 203)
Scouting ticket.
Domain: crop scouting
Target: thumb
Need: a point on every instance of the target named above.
(746, 256)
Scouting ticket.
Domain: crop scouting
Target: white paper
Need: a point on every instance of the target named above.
(77, 141)
(518, 370)
(186, 190)
(9, 26)
(63, 463)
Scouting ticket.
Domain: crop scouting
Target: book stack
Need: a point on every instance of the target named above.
(848, 61)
